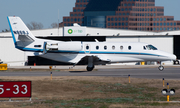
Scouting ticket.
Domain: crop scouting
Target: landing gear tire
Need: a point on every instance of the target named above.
(90, 68)
(161, 68)
(176, 62)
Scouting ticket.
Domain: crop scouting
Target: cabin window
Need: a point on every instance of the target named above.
(121, 47)
(144, 48)
(129, 47)
(37, 45)
(113, 47)
(151, 47)
(105, 47)
(87, 47)
(97, 47)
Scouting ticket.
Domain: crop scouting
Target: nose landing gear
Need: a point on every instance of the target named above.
(161, 68)
(176, 62)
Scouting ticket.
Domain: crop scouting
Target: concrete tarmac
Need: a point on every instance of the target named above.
(150, 72)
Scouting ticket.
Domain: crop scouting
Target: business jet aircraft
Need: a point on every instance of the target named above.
(90, 53)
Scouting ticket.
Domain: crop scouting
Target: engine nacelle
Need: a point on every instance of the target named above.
(70, 46)
(52, 46)
(62, 46)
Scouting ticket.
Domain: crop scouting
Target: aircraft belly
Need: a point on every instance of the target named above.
(163, 59)
(123, 58)
(129, 58)
(66, 57)
(113, 58)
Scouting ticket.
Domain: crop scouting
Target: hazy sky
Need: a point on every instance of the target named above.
(46, 11)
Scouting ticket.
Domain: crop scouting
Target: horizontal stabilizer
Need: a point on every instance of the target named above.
(25, 38)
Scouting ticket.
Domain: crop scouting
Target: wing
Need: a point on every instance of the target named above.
(99, 59)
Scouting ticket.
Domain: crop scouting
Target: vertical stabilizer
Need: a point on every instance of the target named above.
(20, 33)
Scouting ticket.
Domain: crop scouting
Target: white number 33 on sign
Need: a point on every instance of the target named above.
(17, 89)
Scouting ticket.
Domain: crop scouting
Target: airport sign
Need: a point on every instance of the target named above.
(15, 89)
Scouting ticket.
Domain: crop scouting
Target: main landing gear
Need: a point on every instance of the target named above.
(90, 66)
(161, 68)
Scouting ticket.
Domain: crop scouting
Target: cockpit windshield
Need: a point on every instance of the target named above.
(151, 47)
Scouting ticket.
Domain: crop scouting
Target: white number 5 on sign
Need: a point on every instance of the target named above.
(1, 89)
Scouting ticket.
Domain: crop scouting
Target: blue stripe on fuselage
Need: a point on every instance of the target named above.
(30, 49)
(84, 52)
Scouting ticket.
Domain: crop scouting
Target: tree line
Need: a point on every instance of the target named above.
(35, 26)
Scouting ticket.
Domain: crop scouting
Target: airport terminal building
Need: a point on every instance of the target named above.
(104, 20)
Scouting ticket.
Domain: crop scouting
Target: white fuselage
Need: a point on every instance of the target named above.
(113, 52)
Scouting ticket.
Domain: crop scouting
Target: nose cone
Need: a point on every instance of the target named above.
(172, 57)
(167, 56)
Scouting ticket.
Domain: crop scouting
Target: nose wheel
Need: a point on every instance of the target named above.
(176, 62)
(161, 68)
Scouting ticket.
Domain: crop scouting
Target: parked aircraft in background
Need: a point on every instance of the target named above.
(1, 61)
(89, 53)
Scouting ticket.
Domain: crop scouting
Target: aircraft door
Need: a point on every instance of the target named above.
(87, 48)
